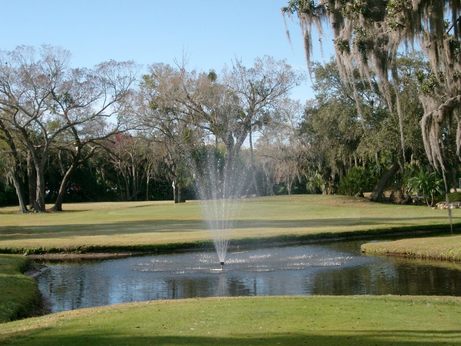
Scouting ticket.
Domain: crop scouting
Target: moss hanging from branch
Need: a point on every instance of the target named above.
(367, 37)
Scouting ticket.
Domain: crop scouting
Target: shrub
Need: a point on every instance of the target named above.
(426, 185)
(315, 183)
(357, 181)
(454, 197)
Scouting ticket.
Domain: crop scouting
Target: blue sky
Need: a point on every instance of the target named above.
(209, 33)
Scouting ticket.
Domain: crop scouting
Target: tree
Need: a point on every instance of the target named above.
(169, 125)
(190, 101)
(130, 156)
(425, 184)
(13, 169)
(368, 35)
(260, 89)
(332, 129)
(280, 149)
(43, 102)
(224, 108)
(341, 138)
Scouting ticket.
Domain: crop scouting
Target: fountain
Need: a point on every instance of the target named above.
(219, 184)
(320, 269)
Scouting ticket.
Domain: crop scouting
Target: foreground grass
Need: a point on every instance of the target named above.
(437, 248)
(250, 321)
(143, 225)
(18, 293)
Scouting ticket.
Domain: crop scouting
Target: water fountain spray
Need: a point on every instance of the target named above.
(219, 185)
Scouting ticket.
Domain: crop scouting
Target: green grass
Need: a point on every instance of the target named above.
(264, 321)
(19, 296)
(231, 321)
(437, 248)
(147, 225)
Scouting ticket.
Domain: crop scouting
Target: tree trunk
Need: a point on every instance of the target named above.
(229, 170)
(253, 166)
(17, 164)
(177, 192)
(134, 173)
(62, 188)
(31, 180)
(270, 185)
(127, 186)
(19, 193)
(173, 186)
(377, 194)
(289, 185)
(147, 185)
(39, 204)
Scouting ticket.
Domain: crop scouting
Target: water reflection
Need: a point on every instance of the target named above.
(336, 269)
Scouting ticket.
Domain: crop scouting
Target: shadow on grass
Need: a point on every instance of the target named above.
(170, 226)
(12, 211)
(378, 338)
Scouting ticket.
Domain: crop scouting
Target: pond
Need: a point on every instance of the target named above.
(329, 269)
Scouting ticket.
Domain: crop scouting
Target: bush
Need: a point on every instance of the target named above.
(315, 183)
(454, 197)
(357, 181)
(425, 185)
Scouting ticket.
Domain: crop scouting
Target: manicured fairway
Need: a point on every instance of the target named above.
(438, 248)
(251, 321)
(386, 320)
(138, 225)
(18, 293)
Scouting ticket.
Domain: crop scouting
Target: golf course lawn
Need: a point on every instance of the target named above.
(318, 320)
(350, 320)
(437, 248)
(149, 225)
(19, 295)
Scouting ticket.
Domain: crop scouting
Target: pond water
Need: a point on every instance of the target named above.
(330, 269)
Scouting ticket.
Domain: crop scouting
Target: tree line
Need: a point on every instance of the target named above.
(369, 37)
(103, 133)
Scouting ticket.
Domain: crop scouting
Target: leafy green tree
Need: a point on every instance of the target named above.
(425, 184)
(368, 35)
(342, 138)
(357, 181)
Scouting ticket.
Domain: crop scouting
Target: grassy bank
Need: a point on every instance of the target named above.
(232, 321)
(148, 225)
(438, 248)
(250, 321)
(19, 296)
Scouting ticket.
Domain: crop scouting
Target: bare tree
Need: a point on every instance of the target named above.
(280, 148)
(228, 108)
(260, 88)
(13, 166)
(169, 124)
(130, 156)
(43, 101)
(203, 103)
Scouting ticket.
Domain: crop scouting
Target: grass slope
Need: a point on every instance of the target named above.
(141, 225)
(250, 321)
(438, 248)
(18, 293)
